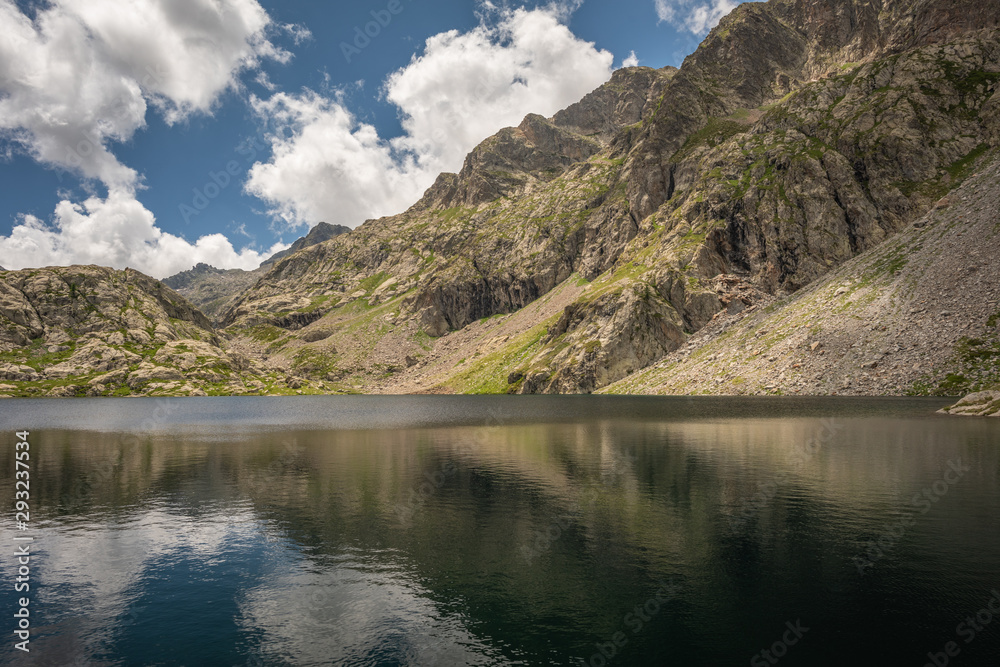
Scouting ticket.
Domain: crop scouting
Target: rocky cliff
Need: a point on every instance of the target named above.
(919, 314)
(572, 252)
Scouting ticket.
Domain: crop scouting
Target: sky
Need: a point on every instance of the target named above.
(156, 134)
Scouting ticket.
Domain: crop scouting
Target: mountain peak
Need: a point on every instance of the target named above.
(322, 231)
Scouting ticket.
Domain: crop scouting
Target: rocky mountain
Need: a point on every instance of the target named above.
(89, 330)
(213, 290)
(322, 231)
(920, 313)
(574, 253)
(799, 135)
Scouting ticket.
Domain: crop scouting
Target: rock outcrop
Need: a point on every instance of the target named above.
(918, 315)
(89, 330)
(979, 404)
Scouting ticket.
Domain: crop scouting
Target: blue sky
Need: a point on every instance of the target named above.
(179, 131)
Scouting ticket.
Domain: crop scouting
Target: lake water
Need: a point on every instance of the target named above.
(504, 531)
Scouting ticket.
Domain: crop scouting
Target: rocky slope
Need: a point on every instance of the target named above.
(214, 290)
(89, 330)
(920, 314)
(572, 253)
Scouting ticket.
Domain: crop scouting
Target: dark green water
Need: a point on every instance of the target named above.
(504, 530)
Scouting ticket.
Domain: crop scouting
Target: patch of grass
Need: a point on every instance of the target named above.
(716, 131)
(489, 374)
(974, 366)
(959, 169)
(370, 283)
(265, 333)
(320, 302)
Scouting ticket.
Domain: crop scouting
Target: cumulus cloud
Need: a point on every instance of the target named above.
(695, 16)
(117, 231)
(81, 76)
(84, 72)
(328, 165)
(631, 61)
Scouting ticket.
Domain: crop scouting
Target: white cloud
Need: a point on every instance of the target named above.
(327, 165)
(265, 82)
(631, 61)
(665, 10)
(81, 76)
(117, 231)
(696, 16)
(298, 33)
(84, 72)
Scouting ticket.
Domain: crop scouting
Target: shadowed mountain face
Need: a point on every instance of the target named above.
(572, 252)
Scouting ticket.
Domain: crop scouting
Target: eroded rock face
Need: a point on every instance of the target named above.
(631, 95)
(615, 334)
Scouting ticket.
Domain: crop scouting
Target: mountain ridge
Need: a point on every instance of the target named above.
(813, 191)
(572, 252)
(213, 290)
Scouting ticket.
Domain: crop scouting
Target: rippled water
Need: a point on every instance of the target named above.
(504, 530)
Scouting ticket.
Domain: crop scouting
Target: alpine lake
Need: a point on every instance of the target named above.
(547, 530)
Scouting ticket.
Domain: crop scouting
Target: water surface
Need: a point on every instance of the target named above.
(504, 530)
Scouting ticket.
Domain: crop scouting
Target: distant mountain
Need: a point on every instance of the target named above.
(214, 290)
(321, 232)
(211, 289)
